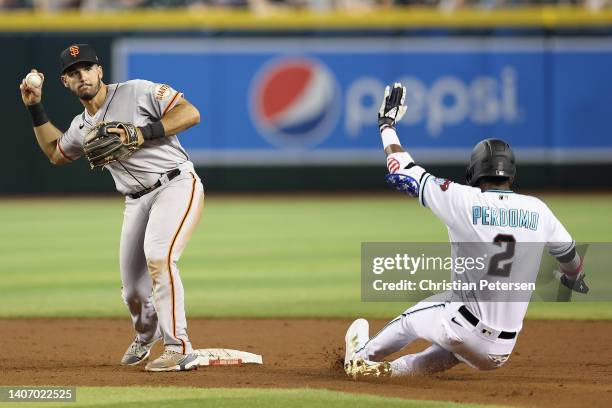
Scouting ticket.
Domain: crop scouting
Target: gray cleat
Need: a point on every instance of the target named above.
(137, 352)
(172, 360)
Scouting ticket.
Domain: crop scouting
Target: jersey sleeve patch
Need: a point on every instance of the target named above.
(442, 183)
(162, 92)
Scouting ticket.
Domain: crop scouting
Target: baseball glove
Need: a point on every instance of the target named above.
(103, 147)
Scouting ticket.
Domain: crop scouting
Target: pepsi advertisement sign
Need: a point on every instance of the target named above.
(315, 101)
(295, 102)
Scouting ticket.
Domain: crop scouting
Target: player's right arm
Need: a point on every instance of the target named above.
(441, 196)
(47, 135)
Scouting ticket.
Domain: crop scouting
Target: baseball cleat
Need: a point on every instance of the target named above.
(137, 352)
(172, 360)
(356, 337)
(361, 369)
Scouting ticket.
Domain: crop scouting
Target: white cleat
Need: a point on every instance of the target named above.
(356, 337)
(361, 369)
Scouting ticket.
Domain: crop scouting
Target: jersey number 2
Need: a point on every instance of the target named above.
(494, 268)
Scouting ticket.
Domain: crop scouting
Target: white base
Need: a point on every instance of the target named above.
(220, 356)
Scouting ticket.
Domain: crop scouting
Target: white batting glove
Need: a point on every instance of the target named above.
(392, 109)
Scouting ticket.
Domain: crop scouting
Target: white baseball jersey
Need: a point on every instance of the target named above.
(508, 232)
(483, 223)
(139, 102)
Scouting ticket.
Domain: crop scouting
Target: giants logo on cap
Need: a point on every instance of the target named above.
(74, 50)
(295, 102)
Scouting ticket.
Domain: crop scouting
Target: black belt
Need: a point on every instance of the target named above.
(171, 175)
(474, 321)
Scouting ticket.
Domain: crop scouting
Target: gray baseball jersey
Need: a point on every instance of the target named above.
(151, 102)
(157, 226)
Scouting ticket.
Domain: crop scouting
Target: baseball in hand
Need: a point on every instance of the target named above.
(33, 79)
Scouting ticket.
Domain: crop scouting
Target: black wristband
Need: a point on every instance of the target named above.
(153, 130)
(38, 114)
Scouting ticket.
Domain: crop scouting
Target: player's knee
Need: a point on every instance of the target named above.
(157, 259)
(134, 298)
(156, 266)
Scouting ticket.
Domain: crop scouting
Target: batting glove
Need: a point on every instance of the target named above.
(577, 285)
(392, 108)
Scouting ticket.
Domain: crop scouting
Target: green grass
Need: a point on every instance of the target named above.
(230, 398)
(275, 256)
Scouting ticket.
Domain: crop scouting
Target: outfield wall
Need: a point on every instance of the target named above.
(289, 102)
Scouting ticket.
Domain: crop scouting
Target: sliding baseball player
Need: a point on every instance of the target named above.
(511, 229)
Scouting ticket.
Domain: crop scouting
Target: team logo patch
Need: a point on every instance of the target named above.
(162, 91)
(294, 102)
(443, 183)
(74, 50)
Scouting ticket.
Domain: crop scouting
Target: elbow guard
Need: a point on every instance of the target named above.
(398, 161)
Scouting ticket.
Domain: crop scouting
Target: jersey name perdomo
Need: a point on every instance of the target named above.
(505, 217)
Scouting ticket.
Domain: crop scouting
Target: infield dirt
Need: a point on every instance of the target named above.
(555, 363)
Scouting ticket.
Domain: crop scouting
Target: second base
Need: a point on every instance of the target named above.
(221, 356)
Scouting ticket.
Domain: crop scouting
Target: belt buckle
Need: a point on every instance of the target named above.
(164, 179)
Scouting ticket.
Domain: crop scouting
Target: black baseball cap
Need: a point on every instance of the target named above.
(77, 53)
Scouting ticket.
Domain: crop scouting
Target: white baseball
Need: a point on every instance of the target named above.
(34, 80)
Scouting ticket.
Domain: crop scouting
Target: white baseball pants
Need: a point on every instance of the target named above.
(453, 340)
(156, 229)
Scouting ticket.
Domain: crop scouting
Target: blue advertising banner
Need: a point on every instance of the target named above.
(315, 101)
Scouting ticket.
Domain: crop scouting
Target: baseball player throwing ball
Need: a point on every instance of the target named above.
(461, 325)
(130, 129)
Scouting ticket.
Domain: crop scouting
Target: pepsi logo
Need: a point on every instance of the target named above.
(295, 102)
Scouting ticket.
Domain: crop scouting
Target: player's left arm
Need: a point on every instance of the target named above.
(181, 117)
(168, 111)
(561, 246)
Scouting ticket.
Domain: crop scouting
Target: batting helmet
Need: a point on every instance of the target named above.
(490, 158)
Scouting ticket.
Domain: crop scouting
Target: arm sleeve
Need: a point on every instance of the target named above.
(70, 144)
(156, 99)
